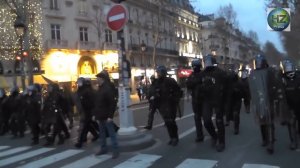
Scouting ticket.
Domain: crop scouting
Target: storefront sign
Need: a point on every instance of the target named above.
(184, 73)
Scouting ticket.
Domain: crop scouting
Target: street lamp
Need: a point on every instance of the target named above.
(143, 49)
(20, 31)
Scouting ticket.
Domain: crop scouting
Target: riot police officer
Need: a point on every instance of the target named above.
(213, 85)
(291, 82)
(245, 88)
(261, 82)
(192, 84)
(84, 101)
(32, 109)
(168, 94)
(3, 113)
(53, 114)
(153, 104)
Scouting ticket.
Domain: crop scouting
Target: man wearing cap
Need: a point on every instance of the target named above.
(104, 112)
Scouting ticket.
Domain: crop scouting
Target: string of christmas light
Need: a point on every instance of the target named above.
(9, 42)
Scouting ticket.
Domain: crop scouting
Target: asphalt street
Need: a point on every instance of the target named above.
(242, 151)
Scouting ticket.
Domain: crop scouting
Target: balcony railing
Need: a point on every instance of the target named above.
(86, 45)
(110, 46)
(57, 44)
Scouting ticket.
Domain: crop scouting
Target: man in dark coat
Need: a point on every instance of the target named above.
(192, 84)
(4, 118)
(104, 113)
(169, 94)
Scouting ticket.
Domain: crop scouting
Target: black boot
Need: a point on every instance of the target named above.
(264, 135)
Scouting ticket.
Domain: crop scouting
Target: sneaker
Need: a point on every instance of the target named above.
(34, 143)
(101, 152)
(174, 142)
(115, 155)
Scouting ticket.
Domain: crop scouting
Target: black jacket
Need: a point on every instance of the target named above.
(104, 102)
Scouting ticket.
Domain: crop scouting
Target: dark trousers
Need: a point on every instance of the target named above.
(35, 130)
(57, 130)
(198, 119)
(207, 110)
(87, 126)
(17, 126)
(247, 104)
(152, 110)
(236, 113)
(171, 127)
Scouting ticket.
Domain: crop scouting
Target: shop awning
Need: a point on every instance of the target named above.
(7, 82)
(40, 79)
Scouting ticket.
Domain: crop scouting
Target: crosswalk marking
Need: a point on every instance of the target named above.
(24, 156)
(198, 163)
(13, 151)
(52, 159)
(3, 147)
(88, 161)
(258, 166)
(139, 161)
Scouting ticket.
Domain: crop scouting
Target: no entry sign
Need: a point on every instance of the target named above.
(116, 17)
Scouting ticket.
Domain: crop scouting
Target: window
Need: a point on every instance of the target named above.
(55, 32)
(108, 36)
(83, 34)
(53, 4)
(83, 8)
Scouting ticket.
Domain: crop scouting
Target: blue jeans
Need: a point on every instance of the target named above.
(109, 126)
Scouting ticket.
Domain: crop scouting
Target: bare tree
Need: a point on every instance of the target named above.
(229, 14)
(98, 23)
(290, 40)
(272, 54)
(253, 36)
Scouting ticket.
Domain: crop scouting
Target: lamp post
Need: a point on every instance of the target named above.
(143, 49)
(20, 29)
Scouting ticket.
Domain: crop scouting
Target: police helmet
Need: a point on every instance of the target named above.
(260, 62)
(161, 70)
(80, 81)
(14, 90)
(209, 61)
(196, 64)
(287, 66)
(87, 82)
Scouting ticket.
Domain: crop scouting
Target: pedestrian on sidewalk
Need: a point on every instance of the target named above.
(104, 113)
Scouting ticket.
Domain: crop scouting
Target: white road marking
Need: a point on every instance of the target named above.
(13, 151)
(139, 161)
(3, 147)
(24, 156)
(116, 17)
(258, 166)
(198, 163)
(52, 159)
(88, 161)
(187, 132)
(139, 108)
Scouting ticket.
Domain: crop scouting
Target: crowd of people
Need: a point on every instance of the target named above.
(270, 93)
(46, 112)
(267, 92)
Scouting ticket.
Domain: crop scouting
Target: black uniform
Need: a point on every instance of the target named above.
(231, 79)
(168, 94)
(4, 118)
(84, 101)
(193, 84)
(292, 92)
(237, 95)
(245, 90)
(213, 85)
(53, 114)
(153, 104)
(32, 109)
(17, 115)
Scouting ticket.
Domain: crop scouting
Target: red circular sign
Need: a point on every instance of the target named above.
(116, 17)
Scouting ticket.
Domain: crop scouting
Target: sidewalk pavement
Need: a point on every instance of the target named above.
(135, 100)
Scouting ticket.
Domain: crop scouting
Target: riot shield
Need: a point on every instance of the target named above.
(260, 100)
